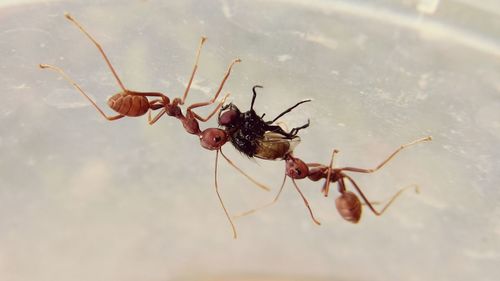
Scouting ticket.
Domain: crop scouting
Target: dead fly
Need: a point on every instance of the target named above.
(254, 137)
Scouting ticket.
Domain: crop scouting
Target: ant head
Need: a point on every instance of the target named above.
(296, 168)
(213, 138)
(229, 115)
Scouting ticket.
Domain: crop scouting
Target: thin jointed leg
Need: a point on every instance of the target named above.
(258, 184)
(201, 104)
(326, 187)
(369, 204)
(359, 170)
(306, 202)
(195, 67)
(70, 18)
(295, 130)
(246, 213)
(235, 235)
(224, 79)
(255, 96)
(288, 110)
(151, 121)
(71, 81)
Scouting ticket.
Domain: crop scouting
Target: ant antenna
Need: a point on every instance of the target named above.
(235, 235)
(246, 213)
(258, 184)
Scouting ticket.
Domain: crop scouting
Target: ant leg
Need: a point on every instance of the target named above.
(201, 104)
(359, 170)
(195, 67)
(205, 119)
(288, 110)
(220, 198)
(71, 81)
(263, 206)
(224, 79)
(306, 202)
(417, 190)
(396, 195)
(155, 105)
(243, 173)
(151, 121)
(326, 187)
(70, 18)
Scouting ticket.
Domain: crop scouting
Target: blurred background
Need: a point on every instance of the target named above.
(82, 198)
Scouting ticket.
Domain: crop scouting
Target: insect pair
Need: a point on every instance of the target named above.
(253, 136)
(348, 203)
(247, 131)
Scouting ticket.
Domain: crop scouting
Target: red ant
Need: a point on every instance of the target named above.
(132, 104)
(348, 203)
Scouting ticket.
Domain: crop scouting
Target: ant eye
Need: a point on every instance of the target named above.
(213, 139)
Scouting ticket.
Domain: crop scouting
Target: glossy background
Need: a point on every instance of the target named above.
(82, 198)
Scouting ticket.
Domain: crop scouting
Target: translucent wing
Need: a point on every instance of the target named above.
(275, 146)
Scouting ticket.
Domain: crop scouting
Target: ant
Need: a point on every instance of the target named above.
(348, 204)
(253, 136)
(133, 103)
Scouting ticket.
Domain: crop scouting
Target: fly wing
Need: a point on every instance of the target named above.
(275, 146)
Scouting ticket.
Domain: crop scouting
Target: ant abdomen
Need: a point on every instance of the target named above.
(349, 206)
(129, 105)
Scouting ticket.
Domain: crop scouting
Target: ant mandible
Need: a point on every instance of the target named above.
(348, 204)
(133, 103)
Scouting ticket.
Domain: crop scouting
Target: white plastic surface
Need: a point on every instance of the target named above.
(82, 198)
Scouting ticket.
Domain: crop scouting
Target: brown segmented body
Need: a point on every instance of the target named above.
(129, 105)
(349, 206)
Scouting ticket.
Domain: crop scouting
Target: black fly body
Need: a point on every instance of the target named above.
(254, 137)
